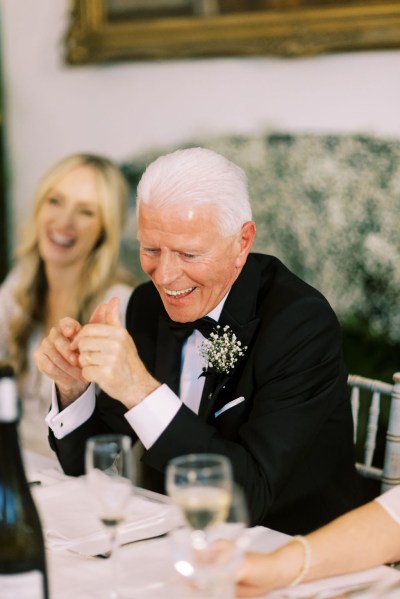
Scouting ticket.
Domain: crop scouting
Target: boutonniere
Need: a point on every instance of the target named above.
(221, 350)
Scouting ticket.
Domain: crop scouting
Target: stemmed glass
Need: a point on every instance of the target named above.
(200, 484)
(207, 551)
(108, 462)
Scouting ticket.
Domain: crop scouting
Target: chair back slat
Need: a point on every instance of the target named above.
(391, 463)
(372, 428)
(355, 407)
(389, 475)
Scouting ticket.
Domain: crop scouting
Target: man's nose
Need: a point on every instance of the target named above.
(168, 269)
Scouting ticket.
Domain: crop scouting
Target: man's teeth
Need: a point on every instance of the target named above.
(62, 240)
(178, 293)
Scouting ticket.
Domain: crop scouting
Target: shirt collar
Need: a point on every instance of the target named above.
(216, 312)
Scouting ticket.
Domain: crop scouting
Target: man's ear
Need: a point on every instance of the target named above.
(246, 239)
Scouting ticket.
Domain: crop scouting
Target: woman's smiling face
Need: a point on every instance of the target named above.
(191, 264)
(69, 220)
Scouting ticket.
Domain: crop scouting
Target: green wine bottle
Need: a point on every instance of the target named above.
(23, 573)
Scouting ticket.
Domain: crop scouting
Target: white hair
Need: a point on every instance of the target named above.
(198, 176)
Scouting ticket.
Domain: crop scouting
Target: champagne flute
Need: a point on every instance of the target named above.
(200, 485)
(108, 462)
(208, 563)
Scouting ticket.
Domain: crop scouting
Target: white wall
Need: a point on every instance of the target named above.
(123, 109)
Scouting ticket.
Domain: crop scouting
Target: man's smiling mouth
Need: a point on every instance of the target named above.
(175, 293)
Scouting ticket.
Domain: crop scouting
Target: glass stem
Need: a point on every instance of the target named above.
(114, 562)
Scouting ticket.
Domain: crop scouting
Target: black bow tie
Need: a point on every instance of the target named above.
(183, 330)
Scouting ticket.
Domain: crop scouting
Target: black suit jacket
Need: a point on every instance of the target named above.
(291, 440)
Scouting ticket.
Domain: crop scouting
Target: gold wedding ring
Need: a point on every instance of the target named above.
(88, 359)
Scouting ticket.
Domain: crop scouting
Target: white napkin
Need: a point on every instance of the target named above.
(69, 518)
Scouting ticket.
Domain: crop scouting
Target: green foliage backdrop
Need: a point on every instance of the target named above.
(327, 206)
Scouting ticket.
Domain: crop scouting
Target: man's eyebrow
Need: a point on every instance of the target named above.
(142, 241)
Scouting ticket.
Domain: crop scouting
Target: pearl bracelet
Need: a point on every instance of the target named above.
(306, 560)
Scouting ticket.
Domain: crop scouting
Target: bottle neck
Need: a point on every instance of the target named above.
(9, 442)
(8, 400)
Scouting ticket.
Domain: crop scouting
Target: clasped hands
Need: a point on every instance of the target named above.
(100, 352)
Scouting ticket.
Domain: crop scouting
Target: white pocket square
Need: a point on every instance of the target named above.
(228, 406)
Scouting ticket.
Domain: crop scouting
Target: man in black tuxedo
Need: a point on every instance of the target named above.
(280, 411)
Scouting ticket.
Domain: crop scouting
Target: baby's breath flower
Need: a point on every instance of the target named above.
(221, 350)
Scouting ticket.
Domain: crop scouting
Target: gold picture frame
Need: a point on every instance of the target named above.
(303, 30)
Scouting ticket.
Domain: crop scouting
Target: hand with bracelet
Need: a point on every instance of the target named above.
(363, 538)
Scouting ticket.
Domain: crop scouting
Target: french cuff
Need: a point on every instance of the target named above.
(153, 414)
(64, 422)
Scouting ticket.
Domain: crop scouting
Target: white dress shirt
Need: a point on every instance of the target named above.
(154, 413)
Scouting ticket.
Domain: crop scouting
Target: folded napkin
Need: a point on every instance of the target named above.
(69, 518)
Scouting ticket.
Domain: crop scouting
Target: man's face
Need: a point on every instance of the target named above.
(191, 264)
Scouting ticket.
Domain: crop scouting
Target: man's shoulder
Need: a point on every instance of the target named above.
(287, 305)
(280, 287)
(275, 274)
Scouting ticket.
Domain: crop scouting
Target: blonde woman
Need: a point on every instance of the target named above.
(66, 264)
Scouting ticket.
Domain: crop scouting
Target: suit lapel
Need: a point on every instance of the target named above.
(239, 314)
(168, 356)
(213, 385)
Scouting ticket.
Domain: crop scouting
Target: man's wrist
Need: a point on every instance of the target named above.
(153, 414)
(66, 397)
(140, 392)
(63, 422)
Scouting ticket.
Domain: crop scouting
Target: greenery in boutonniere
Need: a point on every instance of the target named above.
(221, 350)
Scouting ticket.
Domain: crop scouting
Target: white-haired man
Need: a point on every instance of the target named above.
(276, 403)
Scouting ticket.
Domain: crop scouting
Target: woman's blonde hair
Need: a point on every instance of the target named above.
(101, 269)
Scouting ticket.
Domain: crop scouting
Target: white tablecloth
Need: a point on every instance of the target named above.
(146, 566)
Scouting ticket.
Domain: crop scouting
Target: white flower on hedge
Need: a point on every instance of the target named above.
(221, 350)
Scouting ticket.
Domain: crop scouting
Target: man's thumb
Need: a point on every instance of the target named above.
(99, 315)
(112, 312)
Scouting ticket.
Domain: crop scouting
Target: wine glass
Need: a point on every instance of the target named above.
(200, 484)
(207, 551)
(208, 563)
(108, 462)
